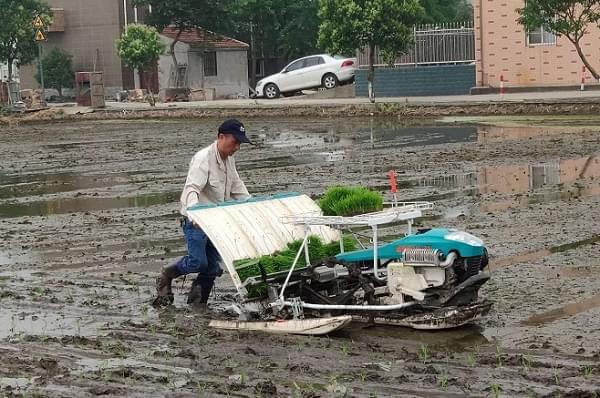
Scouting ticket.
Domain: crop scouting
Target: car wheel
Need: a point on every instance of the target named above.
(329, 81)
(271, 91)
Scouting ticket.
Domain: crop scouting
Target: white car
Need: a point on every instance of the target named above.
(314, 71)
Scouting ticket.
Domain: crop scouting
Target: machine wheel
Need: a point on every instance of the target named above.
(271, 91)
(329, 81)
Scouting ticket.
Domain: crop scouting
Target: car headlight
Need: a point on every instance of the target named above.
(460, 236)
(260, 82)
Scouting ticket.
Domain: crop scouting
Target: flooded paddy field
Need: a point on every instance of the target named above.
(88, 216)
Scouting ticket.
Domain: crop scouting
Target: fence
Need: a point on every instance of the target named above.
(449, 43)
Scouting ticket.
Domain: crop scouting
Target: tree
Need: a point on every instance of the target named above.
(441, 11)
(17, 34)
(139, 47)
(210, 15)
(275, 28)
(347, 25)
(58, 70)
(563, 18)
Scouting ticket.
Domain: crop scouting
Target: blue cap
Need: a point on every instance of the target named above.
(236, 128)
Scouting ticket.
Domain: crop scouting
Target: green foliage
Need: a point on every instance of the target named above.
(139, 46)
(567, 18)
(213, 15)
(440, 11)
(349, 201)
(17, 32)
(276, 28)
(283, 260)
(58, 70)
(347, 25)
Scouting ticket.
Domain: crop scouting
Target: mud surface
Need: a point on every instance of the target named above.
(88, 216)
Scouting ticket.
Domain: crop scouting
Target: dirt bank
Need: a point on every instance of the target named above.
(413, 111)
(88, 216)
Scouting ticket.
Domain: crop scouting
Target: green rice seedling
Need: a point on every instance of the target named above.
(424, 353)
(526, 362)
(350, 201)
(444, 382)
(556, 375)
(496, 389)
(588, 371)
(283, 260)
(332, 196)
(471, 359)
(344, 349)
(499, 355)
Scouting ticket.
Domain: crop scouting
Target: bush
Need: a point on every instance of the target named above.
(350, 201)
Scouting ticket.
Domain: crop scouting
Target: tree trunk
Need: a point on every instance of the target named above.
(371, 75)
(584, 59)
(10, 70)
(252, 59)
(150, 97)
(10, 73)
(174, 57)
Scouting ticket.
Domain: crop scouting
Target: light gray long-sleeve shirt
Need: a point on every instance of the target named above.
(211, 179)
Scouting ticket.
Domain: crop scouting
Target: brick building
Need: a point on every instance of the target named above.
(526, 59)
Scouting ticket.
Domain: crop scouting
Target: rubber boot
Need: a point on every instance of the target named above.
(200, 292)
(164, 291)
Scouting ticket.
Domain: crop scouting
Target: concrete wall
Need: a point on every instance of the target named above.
(4, 72)
(91, 29)
(232, 74)
(422, 80)
(501, 49)
(232, 70)
(166, 69)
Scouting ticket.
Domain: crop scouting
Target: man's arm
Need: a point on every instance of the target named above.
(238, 188)
(197, 179)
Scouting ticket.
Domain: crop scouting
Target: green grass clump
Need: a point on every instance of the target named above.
(282, 260)
(350, 201)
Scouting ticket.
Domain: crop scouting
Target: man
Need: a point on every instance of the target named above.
(212, 178)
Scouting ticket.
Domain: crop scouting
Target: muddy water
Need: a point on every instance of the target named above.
(88, 216)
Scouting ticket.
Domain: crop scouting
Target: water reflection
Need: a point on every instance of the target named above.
(82, 204)
(492, 134)
(525, 184)
(377, 133)
(20, 185)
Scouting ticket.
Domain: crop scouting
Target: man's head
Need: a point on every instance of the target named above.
(230, 136)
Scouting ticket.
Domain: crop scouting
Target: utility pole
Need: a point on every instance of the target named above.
(38, 24)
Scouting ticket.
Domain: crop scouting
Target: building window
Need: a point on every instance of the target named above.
(210, 63)
(540, 37)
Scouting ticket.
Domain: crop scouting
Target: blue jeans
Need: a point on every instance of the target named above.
(202, 256)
